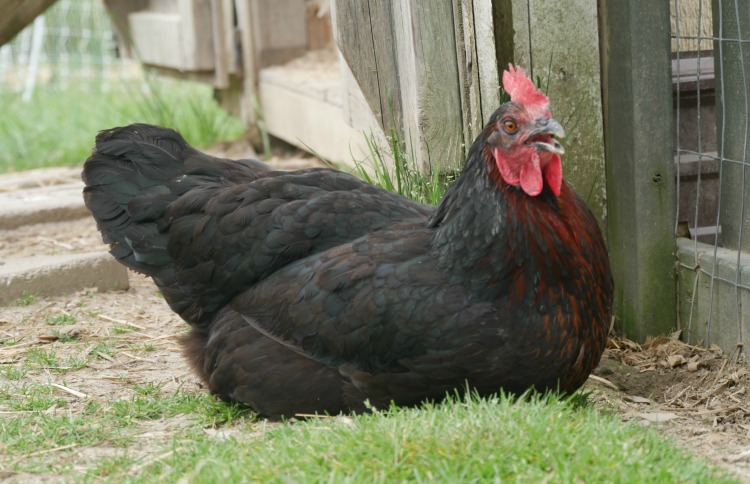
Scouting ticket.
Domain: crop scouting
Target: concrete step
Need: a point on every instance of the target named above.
(51, 203)
(55, 195)
(55, 275)
(44, 196)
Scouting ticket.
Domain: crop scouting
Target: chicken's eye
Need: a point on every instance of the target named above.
(510, 126)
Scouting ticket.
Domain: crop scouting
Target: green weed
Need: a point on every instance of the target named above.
(60, 319)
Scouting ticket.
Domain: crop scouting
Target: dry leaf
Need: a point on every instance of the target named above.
(635, 399)
(657, 417)
(675, 360)
(693, 366)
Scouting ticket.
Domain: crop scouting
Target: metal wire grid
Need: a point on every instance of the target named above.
(72, 44)
(694, 38)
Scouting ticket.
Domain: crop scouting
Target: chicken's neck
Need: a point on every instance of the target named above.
(485, 229)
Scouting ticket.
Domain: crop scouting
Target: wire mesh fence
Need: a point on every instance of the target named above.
(71, 45)
(711, 89)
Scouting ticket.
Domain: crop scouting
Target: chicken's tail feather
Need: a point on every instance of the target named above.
(132, 176)
(125, 178)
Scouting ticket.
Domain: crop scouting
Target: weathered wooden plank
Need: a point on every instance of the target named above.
(17, 14)
(196, 34)
(502, 21)
(156, 38)
(364, 33)
(245, 94)
(353, 34)
(489, 70)
(303, 115)
(732, 126)
(278, 30)
(118, 12)
(478, 77)
(428, 77)
(559, 44)
(178, 38)
(424, 63)
(223, 36)
(386, 69)
(637, 99)
(468, 70)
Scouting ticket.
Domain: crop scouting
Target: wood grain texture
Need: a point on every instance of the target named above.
(364, 33)
(732, 127)
(17, 14)
(425, 34)
(637, 86)
(404, 56)
(278, 30)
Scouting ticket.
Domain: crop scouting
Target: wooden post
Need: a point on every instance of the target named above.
(638, 136)
(17, 14)
(732, 26)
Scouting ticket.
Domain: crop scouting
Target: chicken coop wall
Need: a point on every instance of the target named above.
(711, 92)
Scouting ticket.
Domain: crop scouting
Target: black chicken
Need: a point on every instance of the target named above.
(312, 291)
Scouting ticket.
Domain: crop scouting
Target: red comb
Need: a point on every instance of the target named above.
(522, 90)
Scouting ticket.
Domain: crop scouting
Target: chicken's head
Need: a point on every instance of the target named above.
(523, 138)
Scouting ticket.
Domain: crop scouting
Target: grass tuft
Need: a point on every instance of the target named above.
(25, 300)
(391, 167)
(57, 128)
(60, 319)
(464, 440)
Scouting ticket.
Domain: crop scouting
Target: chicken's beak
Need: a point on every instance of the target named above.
(545, 136)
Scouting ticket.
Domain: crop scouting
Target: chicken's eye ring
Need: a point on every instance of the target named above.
(510, 126)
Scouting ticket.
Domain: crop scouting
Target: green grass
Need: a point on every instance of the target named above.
(25, 300)
(38, 359)
(473, 440)
(60, 319)
(57, 128)
(45, 432)
(462, 440)
(112, 424)
(392, 167)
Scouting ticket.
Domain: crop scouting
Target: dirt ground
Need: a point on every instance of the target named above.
(697, 397)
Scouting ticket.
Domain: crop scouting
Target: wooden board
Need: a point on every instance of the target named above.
(409, 60)
(732, 94)
(17, 14)
(364, 33)
(308, 112)
(180, 39)
(278, 29)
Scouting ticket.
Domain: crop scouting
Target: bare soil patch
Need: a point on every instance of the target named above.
(697, 397)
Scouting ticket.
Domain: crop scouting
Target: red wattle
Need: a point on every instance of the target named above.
(510, 176)
(553, 174)
(531, 176)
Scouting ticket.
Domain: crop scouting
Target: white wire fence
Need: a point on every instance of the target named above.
(711, 89)
(71, 45)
